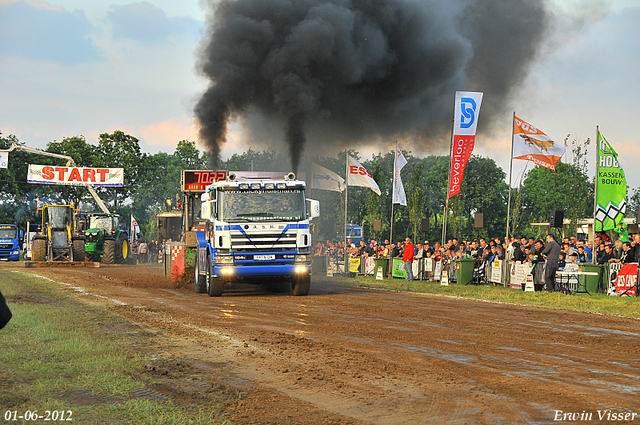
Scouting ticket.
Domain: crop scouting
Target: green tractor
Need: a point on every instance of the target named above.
(105, 240)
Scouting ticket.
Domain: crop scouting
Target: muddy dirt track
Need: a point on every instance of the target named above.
(349, 356)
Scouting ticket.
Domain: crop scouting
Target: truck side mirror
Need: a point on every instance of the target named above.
(21, 233)
(314, 208)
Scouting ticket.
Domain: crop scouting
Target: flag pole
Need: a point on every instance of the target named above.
(393, 190)
(346, 190)
(446, 207)
(510, 173)
(595, 194)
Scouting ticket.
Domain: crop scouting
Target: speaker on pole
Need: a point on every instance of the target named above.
(556, 218)
(377, 225)
(424, 224)
(478, 221)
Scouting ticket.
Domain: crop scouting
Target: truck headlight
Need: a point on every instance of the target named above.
(224, 260)
(15, 253)
(301, 269)
(302, 259)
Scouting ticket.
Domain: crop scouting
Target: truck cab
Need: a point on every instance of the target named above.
(10, 242)
(257, 232)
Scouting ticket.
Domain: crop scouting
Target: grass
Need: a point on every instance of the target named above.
(595, 303)
(55, 344)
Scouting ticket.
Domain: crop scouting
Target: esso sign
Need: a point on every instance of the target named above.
(354, 169)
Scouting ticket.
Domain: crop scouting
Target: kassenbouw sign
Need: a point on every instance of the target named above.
(76, 176)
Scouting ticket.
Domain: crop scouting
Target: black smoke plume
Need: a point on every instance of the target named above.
(343, 72)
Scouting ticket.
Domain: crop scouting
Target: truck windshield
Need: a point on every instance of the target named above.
(58, 217)
(104, 223)
(8, 233)
(262, 205)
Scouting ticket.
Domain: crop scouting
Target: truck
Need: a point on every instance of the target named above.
(257, 232)
(10, 242)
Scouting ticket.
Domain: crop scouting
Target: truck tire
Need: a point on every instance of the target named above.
(79, 253)
(215, 285)
(199, 284)
(301, 285)
(122, 250)
(109, 254)
(39, 250)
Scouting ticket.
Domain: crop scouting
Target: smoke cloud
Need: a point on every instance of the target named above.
(338, 72)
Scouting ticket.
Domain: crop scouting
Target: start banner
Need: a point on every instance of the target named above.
(75, 176)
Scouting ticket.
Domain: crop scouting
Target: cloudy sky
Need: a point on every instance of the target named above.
(72, 67)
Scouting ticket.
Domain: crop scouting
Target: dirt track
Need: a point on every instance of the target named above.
(344, 355)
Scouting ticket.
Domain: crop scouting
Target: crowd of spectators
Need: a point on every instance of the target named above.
(523, 249)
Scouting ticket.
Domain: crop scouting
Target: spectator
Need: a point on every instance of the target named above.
(552, 253)
(627, 254)
(407, 257)
(143, 250)
(606, 255)
(582, 255)
(518, 255)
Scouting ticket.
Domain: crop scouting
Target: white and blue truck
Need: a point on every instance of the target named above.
(257, 232)
(10, 242)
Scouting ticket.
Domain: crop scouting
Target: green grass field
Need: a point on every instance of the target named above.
(595, 303)
(59, 354)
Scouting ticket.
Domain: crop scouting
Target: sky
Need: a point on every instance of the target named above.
(72, 67)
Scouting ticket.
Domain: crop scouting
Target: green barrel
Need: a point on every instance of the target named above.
(590, 283)
(384, 263)
(465, 273)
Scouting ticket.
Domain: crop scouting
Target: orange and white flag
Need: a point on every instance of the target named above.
(531, 144)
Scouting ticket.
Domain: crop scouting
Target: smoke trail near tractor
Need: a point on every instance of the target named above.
(333, 72)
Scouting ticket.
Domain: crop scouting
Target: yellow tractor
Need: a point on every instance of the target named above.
(59, 240)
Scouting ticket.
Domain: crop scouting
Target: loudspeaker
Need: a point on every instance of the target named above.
(633, 228)
(377, 225)
(479, 221)
(424, 224)
(556, 218)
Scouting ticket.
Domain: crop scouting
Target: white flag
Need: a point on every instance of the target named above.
(324, 179)
(135, 229)
(4, 159)
(358, 176)
(399, 196)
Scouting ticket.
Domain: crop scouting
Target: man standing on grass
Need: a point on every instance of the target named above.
(407, 257)
(552, 253)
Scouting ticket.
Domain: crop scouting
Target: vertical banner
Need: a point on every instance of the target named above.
(611, 183)
(4, 159)
(467, 109)
(399, 195)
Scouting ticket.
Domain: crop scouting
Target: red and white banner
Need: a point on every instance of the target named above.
(357, 175)
(531, 144)
(75, 176)
(467, 110)
(627, 279)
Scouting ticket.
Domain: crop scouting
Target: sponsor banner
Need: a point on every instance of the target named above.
(325, 179)
(4, 159)
(437, 273)
(369, 265)
(496, 271)
(627, 280)
(75, 176)
(531, 144)
(519, 274)
(399, 195)
(354, 265)
(467, 109)
(358, 176)
(611, 187)
(398, 268)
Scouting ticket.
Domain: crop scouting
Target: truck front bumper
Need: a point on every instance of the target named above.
(237, 271)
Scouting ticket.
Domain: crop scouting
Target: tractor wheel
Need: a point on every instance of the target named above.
(39, 250)
(109, 255)
(122, 250)
(79, 253)
(214, 285)
(199, 284)
(301, 285)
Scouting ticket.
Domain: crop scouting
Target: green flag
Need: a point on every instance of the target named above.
(611, 188)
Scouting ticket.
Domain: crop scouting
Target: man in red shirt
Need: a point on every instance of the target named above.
(407, 257)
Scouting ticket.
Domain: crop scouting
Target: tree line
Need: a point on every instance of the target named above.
(152, 178)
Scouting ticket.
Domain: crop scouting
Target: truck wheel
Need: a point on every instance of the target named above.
(109, 255)
(199, 284)
(39, 250)
(215, 285)
(301, 285)
(78, 250)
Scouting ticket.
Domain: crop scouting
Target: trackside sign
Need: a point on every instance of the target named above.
(75, 176)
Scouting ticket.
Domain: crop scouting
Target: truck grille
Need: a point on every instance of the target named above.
(6, 245)
(263, 242)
